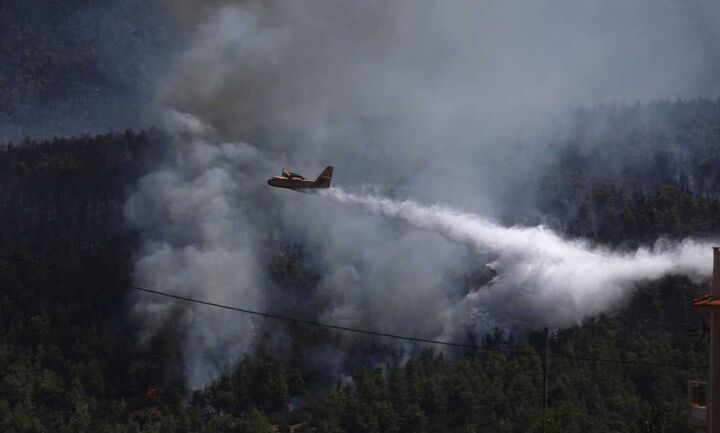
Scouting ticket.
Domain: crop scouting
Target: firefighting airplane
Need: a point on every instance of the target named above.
(296, 182)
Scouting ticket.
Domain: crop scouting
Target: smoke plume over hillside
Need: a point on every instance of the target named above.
(439, 102)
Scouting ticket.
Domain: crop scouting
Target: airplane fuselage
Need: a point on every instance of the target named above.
(283, 182)
(296, 182)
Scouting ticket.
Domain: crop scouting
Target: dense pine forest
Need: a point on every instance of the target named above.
(72, 359)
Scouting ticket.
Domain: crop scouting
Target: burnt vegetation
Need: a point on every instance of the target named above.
(73, 360)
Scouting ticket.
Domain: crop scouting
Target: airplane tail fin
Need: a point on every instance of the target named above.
(325, 177)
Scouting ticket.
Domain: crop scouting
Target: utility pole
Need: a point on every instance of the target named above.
(545, 380)
(715, 348)
(712, 303)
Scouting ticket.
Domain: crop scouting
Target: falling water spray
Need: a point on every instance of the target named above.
(542, 277)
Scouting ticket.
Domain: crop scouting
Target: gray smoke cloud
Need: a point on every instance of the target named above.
(200, 241)
(448, 102)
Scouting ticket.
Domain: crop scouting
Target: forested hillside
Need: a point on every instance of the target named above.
(639, 148)
(72, 358)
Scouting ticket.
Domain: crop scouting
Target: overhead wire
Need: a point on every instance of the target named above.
(300, 321)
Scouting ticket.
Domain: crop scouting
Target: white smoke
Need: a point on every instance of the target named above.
(200, 241)
(440, 101)
(543, 279)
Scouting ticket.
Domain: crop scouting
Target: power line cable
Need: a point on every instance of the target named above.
(333, 326)
(258, 313)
